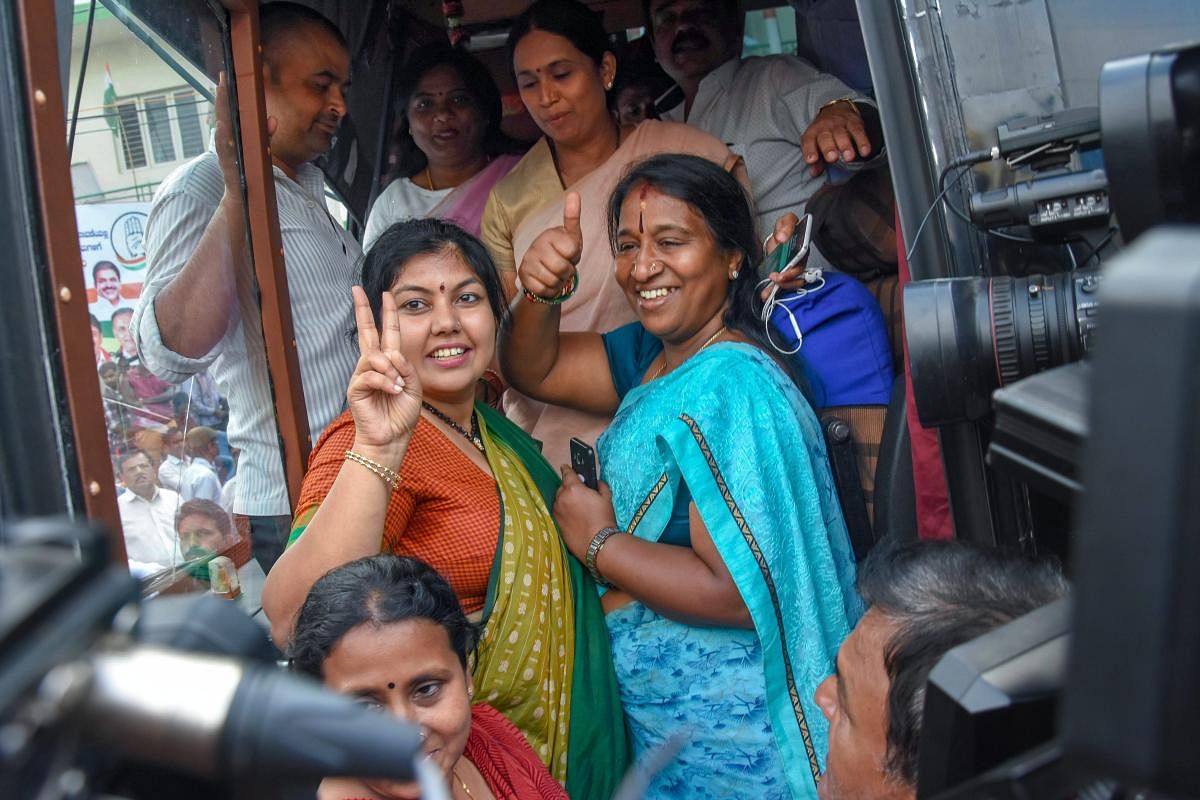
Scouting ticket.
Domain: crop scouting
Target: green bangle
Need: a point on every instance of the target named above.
(567, 292)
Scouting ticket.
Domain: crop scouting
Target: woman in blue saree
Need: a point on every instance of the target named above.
(716, 528)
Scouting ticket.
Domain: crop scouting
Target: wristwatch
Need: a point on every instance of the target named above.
(849, 100)
(593, 550)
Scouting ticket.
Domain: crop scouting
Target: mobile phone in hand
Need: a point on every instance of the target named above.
(790, 254)
(583, 462)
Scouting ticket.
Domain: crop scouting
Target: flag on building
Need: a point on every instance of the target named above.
(110, 102)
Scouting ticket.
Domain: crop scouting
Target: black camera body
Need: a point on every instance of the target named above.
(1002, 350)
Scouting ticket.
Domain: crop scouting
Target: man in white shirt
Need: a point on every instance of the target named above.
(147, 516)
(198, 308)
(784, 117)
(170, 471)
(200, 476)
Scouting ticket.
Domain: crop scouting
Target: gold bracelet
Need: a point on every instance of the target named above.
(389, 476)
(853, 105)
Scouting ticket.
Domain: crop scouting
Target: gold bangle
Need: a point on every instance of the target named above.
(389, 476)
(853, 105)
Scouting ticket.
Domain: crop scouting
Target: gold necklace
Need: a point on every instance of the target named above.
(462, 783)
(429, 178)
(658, 372)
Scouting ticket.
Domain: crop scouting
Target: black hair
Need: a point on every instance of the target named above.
(569, 19)
(120, 311)
(95, 323)
(206, 508)
(721, 202)
(940, 594)
(730, 7)
(129, 455)
(477, 80)
(375, 590)
(638, 69)
(278, 19)
(386, 259)
(99, 265)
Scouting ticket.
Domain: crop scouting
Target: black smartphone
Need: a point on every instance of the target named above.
(583, 462)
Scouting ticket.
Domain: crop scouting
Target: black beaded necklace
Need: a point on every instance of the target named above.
(474, 436)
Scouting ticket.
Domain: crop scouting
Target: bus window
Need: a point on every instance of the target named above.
(142, 163)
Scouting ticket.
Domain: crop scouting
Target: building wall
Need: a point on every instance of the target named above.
(136, 70)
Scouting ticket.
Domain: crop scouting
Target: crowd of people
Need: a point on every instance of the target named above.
(168, 440)
(444, 561)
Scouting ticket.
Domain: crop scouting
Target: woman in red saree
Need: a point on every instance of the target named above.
(390, 631)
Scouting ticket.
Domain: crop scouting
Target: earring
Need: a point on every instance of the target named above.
(733, 275)
(608, 86)
(470, 692)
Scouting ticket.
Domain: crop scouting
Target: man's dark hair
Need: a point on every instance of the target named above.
(721, 202)
(129, 455)
(375, 590)
(478, 82)
(409, 238)
(121, 312)
(569, 19)
(206, 508)
(102, 265)
(730, 7)
(278, 19)
(941, 594)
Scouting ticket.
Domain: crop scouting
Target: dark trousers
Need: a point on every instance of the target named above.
(267, 535)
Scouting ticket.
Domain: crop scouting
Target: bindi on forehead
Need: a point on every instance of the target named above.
(643, 194)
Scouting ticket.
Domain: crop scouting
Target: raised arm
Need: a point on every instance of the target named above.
(566, 369)
(384, 397)
(211, 270)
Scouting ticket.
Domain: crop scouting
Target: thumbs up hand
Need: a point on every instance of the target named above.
(547, 269)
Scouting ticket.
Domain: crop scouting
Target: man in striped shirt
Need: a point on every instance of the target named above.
(198, 308)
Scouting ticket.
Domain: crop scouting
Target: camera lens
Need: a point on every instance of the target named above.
(970, 336)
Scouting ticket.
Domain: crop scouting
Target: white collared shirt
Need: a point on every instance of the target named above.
(321, 260)
(149, 527)
(170, 471)
(200, 480)
(760, 107)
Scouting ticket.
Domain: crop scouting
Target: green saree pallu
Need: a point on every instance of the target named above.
(544, 658)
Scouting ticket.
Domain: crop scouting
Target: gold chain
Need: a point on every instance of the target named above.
(462, 783)
(658, 372)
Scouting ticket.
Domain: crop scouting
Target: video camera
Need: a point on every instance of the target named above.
(1097, 697)
(179, 697)
(969, 336)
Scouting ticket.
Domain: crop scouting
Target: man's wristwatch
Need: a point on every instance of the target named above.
(593, 550)
(848, 100)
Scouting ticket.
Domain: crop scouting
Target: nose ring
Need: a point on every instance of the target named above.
(654, 267)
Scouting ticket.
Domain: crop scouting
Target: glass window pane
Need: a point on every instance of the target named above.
(159, 123)
(132, 148)
(187, 116)
(143, 122)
